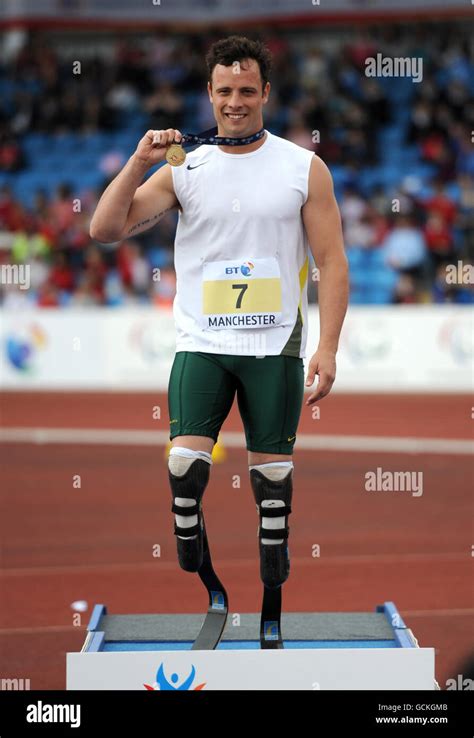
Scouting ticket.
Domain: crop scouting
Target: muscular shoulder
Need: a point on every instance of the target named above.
(320, 179)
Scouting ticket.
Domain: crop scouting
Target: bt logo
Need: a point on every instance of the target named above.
(245, 269)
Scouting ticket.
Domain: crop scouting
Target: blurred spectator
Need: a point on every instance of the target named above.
(299, 133)
(11, 211)
(465, 216)
(61, 210)
(95, 272)
(47, 295)
(123, 97)
(439, 239)
(86, 293)
(28, 243)
(11, 155)
(164, 289)
(353, 210)
(441, 203)
(380, 200)
(405, 247)
(164, 105)
(387, 143)
(405, 290)
(111, 163)
(464, 151)
(61, 276)
(133, 268)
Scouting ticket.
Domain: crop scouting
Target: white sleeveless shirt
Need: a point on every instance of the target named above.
(241, 251)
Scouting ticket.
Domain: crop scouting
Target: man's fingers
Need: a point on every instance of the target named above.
(313, 397)
(166, 137)
(310, 376)
(324, 387)
(316, 396)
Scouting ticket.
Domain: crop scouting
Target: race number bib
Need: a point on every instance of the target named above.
(241, 294)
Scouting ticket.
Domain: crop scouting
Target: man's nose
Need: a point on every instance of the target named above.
(234, 101)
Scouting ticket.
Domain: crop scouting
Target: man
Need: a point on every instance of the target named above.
(247, 215)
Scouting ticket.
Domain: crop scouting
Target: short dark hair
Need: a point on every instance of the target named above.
(237, 48)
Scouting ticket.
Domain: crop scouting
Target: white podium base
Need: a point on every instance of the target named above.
(322, 651)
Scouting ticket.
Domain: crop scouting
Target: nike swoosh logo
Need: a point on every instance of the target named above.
(197, 165)
(292, 437)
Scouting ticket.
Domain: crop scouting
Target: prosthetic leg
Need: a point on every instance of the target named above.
(272, 485)
(189, 475)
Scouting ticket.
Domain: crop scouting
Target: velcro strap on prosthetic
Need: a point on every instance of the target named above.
(275, 534)
(275, 512)
(186, 511)
(187, 532)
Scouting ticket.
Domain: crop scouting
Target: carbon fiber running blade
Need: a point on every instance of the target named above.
(270, 626)
(216, 616)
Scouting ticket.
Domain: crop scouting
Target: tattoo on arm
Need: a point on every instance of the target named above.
(148, 220)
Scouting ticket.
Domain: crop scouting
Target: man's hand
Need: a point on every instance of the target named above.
(322, 363)
(152, 147)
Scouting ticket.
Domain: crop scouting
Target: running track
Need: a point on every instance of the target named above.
(61, 544)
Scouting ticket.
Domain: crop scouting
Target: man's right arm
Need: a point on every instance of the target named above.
(128, 207)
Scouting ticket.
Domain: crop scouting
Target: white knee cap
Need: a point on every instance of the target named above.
(181, 458)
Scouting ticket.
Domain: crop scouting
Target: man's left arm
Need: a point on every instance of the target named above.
(322, 222)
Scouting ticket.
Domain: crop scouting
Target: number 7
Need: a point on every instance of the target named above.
(242, 287)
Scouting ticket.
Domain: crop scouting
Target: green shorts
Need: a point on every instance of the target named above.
(202, 388)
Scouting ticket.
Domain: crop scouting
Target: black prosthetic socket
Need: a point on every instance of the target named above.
(190, 485)
(274, 558)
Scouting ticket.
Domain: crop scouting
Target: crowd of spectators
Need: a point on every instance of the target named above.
(318, 84)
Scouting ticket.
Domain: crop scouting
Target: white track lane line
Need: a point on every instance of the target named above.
(304, 441)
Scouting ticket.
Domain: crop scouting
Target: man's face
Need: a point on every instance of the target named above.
(237, 98)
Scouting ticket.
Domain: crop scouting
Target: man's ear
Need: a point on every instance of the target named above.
(266, 93)
(209, 91)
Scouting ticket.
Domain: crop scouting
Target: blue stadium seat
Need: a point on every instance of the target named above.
(355, 257)
(378, 296)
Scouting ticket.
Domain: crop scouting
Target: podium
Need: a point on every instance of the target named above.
(341, 651)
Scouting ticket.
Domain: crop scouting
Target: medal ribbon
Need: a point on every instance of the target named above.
(210, 137)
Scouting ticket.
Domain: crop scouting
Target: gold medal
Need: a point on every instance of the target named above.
(175, 155)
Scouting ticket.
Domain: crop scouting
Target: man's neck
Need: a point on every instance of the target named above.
(243, 149)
